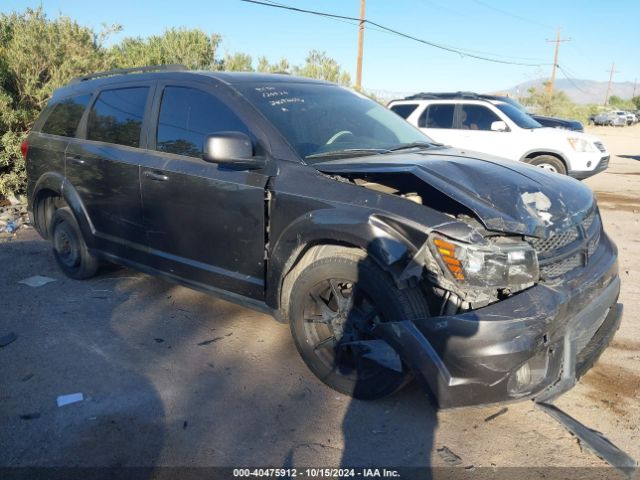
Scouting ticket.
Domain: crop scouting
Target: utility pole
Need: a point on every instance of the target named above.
(611, 72)
(635, 82)
(557, 41)
(360, 47)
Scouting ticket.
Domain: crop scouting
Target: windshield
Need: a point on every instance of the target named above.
(320, 121)
(517, 116)
(514, 102)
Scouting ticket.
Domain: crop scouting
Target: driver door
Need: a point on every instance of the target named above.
(204, 222)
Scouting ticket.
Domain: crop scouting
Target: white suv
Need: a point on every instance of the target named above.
(492, 125)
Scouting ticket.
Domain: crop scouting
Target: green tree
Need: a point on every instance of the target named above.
(281, 67)
(37, 55)
(192, 48)
(557, 104)
(636, 102)
(238, 62)
(319, 65)
(616, 101)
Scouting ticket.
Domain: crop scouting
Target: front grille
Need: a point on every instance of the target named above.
(557, 269)
(572, 247)
(554, 242)
(600, 146)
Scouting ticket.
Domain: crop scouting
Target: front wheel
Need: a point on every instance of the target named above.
(335, 302)
(549, 163)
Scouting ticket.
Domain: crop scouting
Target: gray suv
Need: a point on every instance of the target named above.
(390, 256)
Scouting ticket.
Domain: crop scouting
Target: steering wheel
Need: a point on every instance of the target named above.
(338, 136)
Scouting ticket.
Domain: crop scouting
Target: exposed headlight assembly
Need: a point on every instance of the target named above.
(581, 145)
(509, 265)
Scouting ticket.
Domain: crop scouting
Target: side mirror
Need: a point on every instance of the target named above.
(499, 126)
(231, 148)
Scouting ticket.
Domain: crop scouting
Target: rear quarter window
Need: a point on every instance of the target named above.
(405, 109)
(65, 116)
(116, 116)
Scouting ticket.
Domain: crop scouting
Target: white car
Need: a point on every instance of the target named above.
(489, 125)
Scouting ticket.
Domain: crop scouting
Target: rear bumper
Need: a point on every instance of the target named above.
(535, 344)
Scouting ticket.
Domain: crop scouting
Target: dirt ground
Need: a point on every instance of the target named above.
(172, 377)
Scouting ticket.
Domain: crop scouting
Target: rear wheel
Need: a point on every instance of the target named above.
(70, 251)
(334, 304)
(549, 163)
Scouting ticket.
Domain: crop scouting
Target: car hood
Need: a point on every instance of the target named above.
(559, 122)
(505, 195)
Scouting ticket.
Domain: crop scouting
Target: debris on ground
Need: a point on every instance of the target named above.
(30, 416)
(207, 342)
(502, 411)
(7, 339)
(37, 281)
(448, 456)
(158, 340)
(13, 217)
(69, 399)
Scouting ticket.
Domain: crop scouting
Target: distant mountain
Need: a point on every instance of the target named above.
(580, 91)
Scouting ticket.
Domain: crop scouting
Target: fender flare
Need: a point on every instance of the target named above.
(383, 243)
(60, 185)
(546, 151)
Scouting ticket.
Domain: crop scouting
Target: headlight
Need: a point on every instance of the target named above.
(509, 265)
(580, 144)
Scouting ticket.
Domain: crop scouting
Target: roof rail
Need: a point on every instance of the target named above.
(446, 95)
(124, 71)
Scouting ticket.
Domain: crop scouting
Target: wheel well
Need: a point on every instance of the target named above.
(533, 155)
(303, 257)
(44, 206)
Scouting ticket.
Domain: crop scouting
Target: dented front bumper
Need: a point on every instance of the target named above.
(535, 344)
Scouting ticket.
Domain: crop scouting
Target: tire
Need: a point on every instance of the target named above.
(69, 249)
(549, 163)
(353, 293)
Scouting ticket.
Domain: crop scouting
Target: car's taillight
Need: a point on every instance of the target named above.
(24, 148)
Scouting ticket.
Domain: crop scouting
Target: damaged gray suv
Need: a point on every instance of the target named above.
(390, 256)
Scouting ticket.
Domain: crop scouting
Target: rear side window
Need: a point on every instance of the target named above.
(187, 116)
(437, 116)
(116, 116)
(477, 117)
(405, 109)
(65, 116)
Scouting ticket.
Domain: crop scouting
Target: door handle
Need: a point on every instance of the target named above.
(156, 176)
(76, 160)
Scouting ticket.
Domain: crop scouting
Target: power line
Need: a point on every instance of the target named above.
(461, 52)
(562, 70)
(509, 14)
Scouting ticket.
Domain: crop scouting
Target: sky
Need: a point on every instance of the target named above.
(600, 32)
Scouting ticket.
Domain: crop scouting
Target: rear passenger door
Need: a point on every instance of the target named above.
(437, 121)
(47, 150)
(473, 129)
(104, 168)
(205, 222)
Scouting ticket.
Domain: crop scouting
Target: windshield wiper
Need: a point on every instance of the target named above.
(349, 151)
(407, 146)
